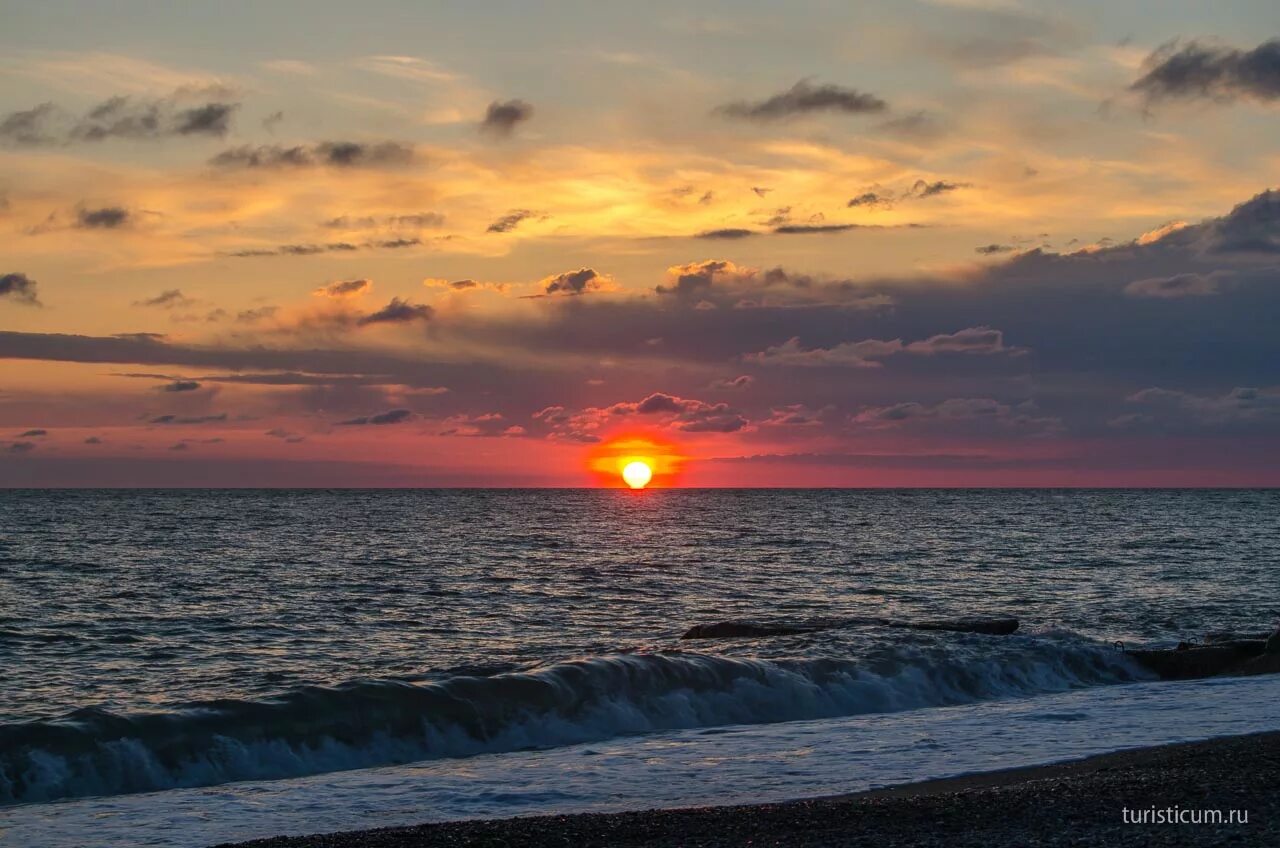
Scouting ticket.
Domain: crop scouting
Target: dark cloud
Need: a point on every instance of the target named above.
(502, 117)
(93, 440)
(923, 188)
(934, 339)
(209, 119)
(105, 218)
(1240, 410)
(991, 249)
(252, 316)
(573, 282)
(1179, 285)
(391, 416)
(734, 384)
(345, 288)
(807, 229)
(1195, 70)
(19, 287)
(868, 353)
(397, 312)
(117, 118)
(167, 299)
(509, 221)
(805, 98)
(21, 447)
(29, 127)
(730, 233)
(418, 220)
(871, 199)
(31, 434)
(338, 154)
(317, 249)
(180, 386)
(184, 420)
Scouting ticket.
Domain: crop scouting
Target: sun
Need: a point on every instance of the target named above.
(637, 473)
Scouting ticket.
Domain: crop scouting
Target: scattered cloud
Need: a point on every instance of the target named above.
(502, 117)
(19, 288)
(805, 98)
(167, 299)
(398, 311)
(391, 416)
(509, 221)
(1195, 70)
(122, 117)
(104, 218)
(581, 281)
(345, 288)
(336, 154)
(1179, 285)
(180, 386)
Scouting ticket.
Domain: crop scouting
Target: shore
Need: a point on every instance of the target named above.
(1069, 804)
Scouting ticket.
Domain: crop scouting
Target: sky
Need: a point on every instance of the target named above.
(395, 243)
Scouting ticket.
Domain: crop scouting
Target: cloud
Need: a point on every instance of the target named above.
(21, 447)
(868, 353)
(93, 440)
(685, 414)
(872, 199)
(261, 313)
(973, 414)
(1194, 70)
(509, 221)
(20, 288)
(733, 384)
(31, 434)
(336, 154)
(417, 220)
(106, 218)
(345, 288)
(391, 416)
(117, 118)
(582, 281)
(167, 299)
(398, 311)
(1179, 285)
(316, 249)
(805, 98)
(728, 233)
(1242, 409)
(808, 229)
(180, 386)
(501, 117)
(991, 249)
(185, 420)
(923, 189)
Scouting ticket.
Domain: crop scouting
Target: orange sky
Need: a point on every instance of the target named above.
(930, 243)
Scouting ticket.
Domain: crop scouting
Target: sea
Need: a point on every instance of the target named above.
(190, 667)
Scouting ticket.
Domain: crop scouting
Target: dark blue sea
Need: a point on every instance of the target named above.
(182, 667)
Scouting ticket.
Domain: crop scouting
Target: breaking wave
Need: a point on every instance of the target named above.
(363, 724)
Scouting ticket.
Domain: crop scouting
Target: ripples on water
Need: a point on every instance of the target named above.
(123, 604)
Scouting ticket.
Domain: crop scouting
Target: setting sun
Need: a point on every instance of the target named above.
(637, 474)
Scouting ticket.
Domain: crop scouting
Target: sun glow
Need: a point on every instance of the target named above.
(636, 460)
(637, 473)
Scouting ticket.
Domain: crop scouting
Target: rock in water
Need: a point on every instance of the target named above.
(1273, 642)
(731, 629)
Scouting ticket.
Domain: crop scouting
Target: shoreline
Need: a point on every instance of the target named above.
(1079, 802)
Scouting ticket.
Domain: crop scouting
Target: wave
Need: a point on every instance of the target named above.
(358, 725)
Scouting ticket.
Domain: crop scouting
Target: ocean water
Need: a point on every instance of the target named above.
(186, 667)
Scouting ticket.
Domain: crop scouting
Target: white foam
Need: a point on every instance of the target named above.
(735, 764)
